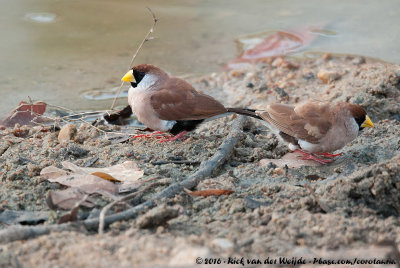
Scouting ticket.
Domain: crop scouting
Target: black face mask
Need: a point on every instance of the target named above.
(138, 77)
(360, 121)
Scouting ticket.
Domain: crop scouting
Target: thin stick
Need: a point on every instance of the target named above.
(146, 38)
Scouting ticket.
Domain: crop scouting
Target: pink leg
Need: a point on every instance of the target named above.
(175, 137)
(307, 156)
(329, 155)
(150, 135)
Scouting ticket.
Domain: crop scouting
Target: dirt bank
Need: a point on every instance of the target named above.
(353, 203)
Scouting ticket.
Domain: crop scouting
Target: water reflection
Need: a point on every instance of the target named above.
(40, 17)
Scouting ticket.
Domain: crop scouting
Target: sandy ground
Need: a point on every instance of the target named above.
(349, 208)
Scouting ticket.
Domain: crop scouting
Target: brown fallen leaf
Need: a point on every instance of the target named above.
(52, 172)
(209, 192)
(86, 183)
(128, 173)
(96, 180)
(66, 199)
(25, 114)
(72, 215)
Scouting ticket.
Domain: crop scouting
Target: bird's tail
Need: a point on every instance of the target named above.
(244, 111)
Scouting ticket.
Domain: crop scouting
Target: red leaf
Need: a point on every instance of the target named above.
(209, 192)
(25, 114)
(278, 43)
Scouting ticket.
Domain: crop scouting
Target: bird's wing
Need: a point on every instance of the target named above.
(178, 100)
(308, 122)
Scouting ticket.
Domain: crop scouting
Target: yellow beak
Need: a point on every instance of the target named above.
(367, 122)
(128, 77)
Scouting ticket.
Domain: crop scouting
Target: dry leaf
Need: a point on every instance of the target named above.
(209, 192)
(66, 199)
(96, 180)
(52, 172)
(72, 215)
(25, 114)
(128, 173)
(86, 183)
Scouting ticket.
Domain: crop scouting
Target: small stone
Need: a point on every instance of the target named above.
(328, 76)
(222, 243)
(358, 60)
(160, 229)
(278, 62)
(186, 256)
(237, 206)
(327, 56)
(279, 171)
(67, 133)
(236, 73)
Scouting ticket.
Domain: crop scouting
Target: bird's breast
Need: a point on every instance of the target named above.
(142, 108)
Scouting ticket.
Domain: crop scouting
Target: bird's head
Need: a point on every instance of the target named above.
(140, 72)
(360, 115)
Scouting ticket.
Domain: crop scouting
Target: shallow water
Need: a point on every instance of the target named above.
(58, 50)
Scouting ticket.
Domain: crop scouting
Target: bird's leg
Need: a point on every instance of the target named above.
(175, 137)
(307, 156)
(329, 155)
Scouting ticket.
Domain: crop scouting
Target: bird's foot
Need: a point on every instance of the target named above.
(156, 135)
(179, 136)
(307, 156)
(329, 155)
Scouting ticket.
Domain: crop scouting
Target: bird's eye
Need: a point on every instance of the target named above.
(138, 75)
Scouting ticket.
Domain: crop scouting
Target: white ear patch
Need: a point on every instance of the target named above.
(146, 83)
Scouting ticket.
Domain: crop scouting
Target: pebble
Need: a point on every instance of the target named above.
(328, 76)
(278, 171)
(237, 206)
(222, 243)
(186, 256)
(67, 133)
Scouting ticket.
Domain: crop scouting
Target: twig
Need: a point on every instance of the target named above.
(177, 162)
(67, 119)
(206, 169)
(123, 199)
(146, 38)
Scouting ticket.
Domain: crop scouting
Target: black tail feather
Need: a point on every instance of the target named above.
(244, 111)
(184, 125)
